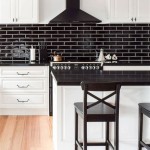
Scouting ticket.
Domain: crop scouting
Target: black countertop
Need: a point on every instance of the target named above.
(72, 78)
(127, 63)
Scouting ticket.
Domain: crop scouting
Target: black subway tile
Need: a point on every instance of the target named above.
(142, 39)
(18, 28)
(64, 32)
(12, 32)
(36, 32)
(45, 28)
(57, 28)
(26, 32)
(84, 28)
(63, 39)
(71, 35)
(31, 28)
(70, 28)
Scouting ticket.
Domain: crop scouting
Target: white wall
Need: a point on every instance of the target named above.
(97, 8)
(50, 8)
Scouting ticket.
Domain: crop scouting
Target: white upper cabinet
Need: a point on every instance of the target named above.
(19, 11)
(27, 11)
(121, 10)
(129, 11)
(6, 11)
(142, 11)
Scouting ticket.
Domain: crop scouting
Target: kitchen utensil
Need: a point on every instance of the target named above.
(43, 52)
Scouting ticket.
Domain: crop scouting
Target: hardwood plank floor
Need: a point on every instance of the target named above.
(26, 133)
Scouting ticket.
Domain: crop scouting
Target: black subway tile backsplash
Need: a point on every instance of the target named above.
(77, 40)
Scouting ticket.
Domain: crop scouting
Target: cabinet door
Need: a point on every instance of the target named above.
(142, 11)
(27, 11)
(121, 11)
(7, 11)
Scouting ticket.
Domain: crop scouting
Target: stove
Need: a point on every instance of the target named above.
(76, 65)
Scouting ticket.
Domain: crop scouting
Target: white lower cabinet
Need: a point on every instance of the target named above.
(23, 92)
(15, 100)
(24, 85)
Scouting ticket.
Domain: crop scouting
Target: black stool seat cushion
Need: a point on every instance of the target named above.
(97, 113)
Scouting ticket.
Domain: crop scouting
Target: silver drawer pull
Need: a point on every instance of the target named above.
(23, 74)
(23, 86)
(23, 101)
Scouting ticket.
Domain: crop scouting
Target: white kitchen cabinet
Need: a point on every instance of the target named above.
(6, 12)
(142, 11)
(129, 11)
(24, 90)
(121, 10)
(19, 11)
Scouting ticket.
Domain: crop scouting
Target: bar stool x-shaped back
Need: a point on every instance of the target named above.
(99, 111)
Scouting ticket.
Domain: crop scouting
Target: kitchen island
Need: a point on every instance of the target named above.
(66, 90)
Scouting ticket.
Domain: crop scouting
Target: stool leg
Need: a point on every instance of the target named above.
(76, 130)
(85, 135)
(107, 135)
(140, 130)
(116, 127)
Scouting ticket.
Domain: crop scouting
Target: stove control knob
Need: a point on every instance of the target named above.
(93, 67)
(61, 67)
(82, 67)
(86, 67)
(69, 67)
(65, 67)
(58, 67)
(54, 67)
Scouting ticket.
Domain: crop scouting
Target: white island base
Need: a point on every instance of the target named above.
(63, 118)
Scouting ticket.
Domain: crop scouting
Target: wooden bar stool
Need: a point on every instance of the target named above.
(99, 111)
(144, 108)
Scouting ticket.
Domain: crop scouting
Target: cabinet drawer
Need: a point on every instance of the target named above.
(29, 100)
(25, 71)
(24, 85)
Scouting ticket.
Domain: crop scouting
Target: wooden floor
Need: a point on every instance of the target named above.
(26, 133)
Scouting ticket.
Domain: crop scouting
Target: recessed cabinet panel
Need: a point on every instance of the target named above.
(23, 100)
(143, 10)
(24, 85)
(26, 11)
(24, 72)
(19, 11)
(121, 10)
(129, 11)
(6, 10)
